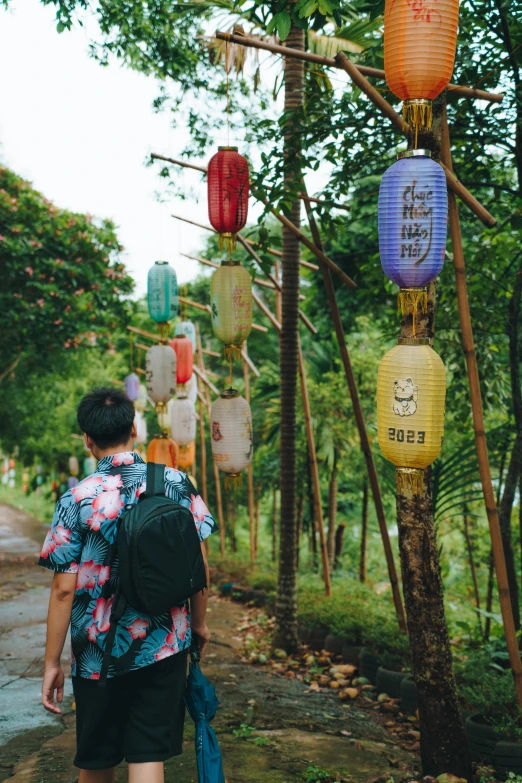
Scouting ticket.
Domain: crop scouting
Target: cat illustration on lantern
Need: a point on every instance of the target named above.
(405, 397)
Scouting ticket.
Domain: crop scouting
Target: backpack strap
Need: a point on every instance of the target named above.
(118, 609)
(155, 479)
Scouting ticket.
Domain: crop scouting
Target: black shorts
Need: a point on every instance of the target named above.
(138, 716)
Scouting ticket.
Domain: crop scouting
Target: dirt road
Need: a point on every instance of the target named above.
(288, 730)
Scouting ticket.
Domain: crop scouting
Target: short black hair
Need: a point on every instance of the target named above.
(106, 415)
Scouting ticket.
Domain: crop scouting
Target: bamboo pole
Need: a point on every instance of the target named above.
(314, 470)
(361, 427)
(250, 472)
(478, 424)
(219, 498)
(328, 62)
(203, 376)
(214, 265)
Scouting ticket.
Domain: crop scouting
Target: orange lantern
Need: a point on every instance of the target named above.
(184, 358)
(163, 451)
(187, 455)
(420, 40)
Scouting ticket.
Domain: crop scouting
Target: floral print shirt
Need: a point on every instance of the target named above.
(84, 526)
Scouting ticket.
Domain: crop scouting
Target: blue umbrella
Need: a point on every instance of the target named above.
(202, 703)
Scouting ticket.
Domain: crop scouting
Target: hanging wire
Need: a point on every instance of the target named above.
(230, 382)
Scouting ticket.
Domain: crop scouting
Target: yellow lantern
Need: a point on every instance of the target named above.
(231, 306)
(411, 391)
(231, 435)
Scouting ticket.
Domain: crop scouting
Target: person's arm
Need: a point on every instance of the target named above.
(58, 620)
(198, 610)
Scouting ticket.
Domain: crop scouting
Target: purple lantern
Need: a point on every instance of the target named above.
(132, 386)
(413, 218)
(72, 481)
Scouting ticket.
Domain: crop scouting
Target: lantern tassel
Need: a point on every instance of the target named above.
(227, 241)
(412, 300)
(418, 113)
(232, 352)
(410, 481)
(233, 482)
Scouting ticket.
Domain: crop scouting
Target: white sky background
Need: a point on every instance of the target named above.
(81, 133)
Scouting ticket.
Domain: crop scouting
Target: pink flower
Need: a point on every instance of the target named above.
(125, 458)
(29, 271)
(92, 633)
(61, 536)
(87, 574)
(164, 652)
(109, 502)
(40, 302)
(198, 508)
(95, 521)
(102, 614)
(49, 546)
(104, 575)
(73, 568)
(58, 322)
(112, 482)
(138, 629)
(172, 641)
(94, 676)
(87, 488)
(179, 621)
(1, 238)
(141, 490)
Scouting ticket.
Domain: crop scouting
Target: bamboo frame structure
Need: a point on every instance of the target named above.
(250, 473)
(361, 427)
(478, 424)
(219, 497)
(457, 89)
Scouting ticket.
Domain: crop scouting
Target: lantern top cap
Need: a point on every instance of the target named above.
(161, 263)
(414, 154)
(227, 149)
(229, 394)
(413, 341)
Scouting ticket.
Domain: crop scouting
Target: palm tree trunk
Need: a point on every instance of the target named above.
(332, 516)
(285, 635)
(364, 533)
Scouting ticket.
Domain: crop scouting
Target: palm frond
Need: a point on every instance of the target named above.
(352, 38)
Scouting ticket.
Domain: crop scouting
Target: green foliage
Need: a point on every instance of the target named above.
(63, 285)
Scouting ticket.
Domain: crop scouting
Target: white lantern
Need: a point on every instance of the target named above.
(74, 467)
(160, 362)
(141, 428)
(183, 421)
(231, 435)
(141, 403)
(191, 388)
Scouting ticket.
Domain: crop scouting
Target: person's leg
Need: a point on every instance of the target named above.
(148, 772)
(97, 775)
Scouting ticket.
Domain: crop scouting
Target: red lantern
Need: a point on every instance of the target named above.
(184, 359)
(228, 183)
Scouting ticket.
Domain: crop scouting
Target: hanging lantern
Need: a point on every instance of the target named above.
(141, 401)
(413, 220)
(160, 362)
(74, 467)
(411, 390)
(228, 185)
(184, 359)
(89, 465)
(231, 306)
(420, 40)
(183, 421)
(141, 428)
(164, 417)
(163, 451)
(189, 330)
(191, 388)
(72, 481)
(132, 386)
(231, 435)
(187, 456)
(162, 292)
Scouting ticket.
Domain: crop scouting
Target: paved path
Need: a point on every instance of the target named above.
(296, 730)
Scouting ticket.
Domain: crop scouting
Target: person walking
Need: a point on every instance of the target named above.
(139, 714)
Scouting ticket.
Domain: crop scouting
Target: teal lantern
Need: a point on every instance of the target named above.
(162, 292)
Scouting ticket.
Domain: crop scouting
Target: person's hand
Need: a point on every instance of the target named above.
(52, 681)
(202, 635)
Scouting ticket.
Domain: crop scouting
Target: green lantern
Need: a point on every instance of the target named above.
(162, 292)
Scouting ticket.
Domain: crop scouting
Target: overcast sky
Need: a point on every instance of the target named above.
(81, 133)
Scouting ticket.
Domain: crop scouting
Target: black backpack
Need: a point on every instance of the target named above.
(160, 560)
